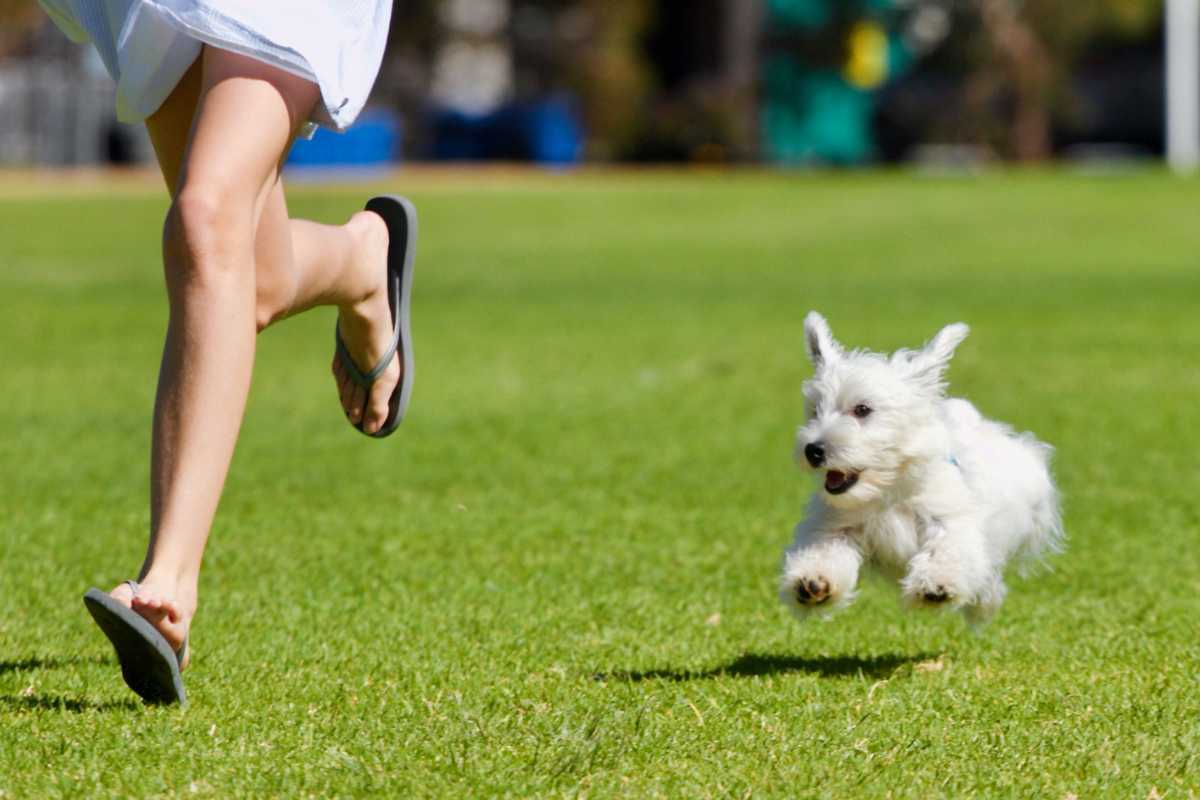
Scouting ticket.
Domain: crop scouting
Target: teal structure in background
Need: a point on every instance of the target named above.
(825, 63)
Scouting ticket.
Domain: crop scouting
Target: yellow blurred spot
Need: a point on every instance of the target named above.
(867, 65)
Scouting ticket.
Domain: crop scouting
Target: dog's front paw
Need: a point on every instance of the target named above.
(819, 578)
(814, 593)
(936, 595)
(811, 591)
(931, 585)
(931, 595)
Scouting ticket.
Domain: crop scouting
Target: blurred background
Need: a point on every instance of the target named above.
(845, 83)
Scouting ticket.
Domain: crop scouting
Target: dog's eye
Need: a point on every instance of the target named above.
(862, 411)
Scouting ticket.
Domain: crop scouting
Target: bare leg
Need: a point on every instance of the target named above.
(301, 264)
(229, 258)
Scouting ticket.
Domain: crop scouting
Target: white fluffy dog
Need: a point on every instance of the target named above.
(918, 485)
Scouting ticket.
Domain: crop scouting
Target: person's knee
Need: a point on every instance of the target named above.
(194, 222)
(208, 234)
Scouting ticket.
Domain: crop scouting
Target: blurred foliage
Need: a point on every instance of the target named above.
(1023, 60)
(612, 75)
(1069, 27)
(593, 49)
(1014, 60)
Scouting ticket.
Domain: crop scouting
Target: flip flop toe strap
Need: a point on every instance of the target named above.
(364, 379)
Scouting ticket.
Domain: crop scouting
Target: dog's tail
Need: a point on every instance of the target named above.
(1047, 536)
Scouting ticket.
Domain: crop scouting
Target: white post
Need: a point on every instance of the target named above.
(1183, 84)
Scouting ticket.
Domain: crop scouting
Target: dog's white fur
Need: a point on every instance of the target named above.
(944, 497)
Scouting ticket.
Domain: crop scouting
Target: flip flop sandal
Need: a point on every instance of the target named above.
(401, 219)
(148, 664)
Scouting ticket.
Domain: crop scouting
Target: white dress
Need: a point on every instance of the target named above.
(147, 45)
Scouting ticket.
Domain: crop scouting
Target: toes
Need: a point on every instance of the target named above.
(346, 396)
(171, 609)
(157, 605)
(165, 615)
(124, 594)
(376, 416)
(358, 397)
(342, 383)
(366, 328)
(373, 421)
(381, 398)
(145, 601)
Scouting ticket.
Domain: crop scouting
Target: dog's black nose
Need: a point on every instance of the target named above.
(815, 454)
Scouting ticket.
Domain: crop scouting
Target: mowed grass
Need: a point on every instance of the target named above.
(559, 577)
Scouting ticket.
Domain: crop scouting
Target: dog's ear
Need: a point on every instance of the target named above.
(822, 347)
(928, 364)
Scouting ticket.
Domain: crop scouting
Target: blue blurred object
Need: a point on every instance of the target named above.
(546, 132)
(373, 140)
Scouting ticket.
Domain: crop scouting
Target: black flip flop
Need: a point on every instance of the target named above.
(401, 219)
(148, 664)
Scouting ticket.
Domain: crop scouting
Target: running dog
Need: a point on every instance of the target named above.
(918, 485)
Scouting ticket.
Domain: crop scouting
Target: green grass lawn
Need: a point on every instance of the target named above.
(558, 579)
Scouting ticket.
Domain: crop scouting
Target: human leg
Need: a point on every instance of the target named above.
(235, 263)
(301, 264)
(224, 179)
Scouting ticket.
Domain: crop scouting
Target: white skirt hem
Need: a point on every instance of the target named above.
(326, 113)
(148, 45)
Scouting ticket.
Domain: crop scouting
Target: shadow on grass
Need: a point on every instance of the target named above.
(45, 702)
(751, 665)
(49, 662)
(58, 703)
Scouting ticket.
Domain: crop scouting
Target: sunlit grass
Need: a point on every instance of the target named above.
(558, 578)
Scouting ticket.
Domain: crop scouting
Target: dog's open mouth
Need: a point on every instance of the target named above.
(837, 482)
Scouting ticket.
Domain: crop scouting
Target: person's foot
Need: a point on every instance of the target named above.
(166, 609)
(366, 327)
